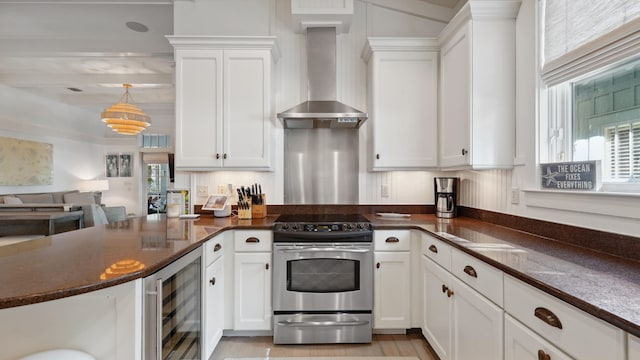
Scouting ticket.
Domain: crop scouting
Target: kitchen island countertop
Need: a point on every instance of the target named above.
(72, 263)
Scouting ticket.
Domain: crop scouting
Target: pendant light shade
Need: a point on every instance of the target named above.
(125, 117)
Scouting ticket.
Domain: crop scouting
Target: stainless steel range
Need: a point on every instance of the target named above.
(322, 279)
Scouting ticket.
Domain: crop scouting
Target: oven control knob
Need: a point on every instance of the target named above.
(285, 227)
(347, 226)
(309, 227)
(361, 226)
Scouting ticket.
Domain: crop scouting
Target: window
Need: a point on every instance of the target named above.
(591, 74)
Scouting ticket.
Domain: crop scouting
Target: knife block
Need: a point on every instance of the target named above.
(259, 211)
(245, 213)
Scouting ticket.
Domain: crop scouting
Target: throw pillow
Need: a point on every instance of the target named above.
(79, 198)
(12, 200)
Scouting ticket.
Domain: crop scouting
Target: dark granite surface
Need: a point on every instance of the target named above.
(605, 286)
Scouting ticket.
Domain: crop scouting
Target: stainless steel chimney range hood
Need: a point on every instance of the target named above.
(322, 110)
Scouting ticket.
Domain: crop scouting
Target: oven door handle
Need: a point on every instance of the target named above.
(322, 323)
(319, 249)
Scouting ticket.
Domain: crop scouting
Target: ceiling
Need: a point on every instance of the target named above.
(53, 48)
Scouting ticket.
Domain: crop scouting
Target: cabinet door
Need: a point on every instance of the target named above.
(634, 348)
(520, 343)
(252, 291)
(477, 324)
(404, 110)
(455, 100)
(392, 291)
(437, 308)
(247, 110)
(213, 305)
(198, 109)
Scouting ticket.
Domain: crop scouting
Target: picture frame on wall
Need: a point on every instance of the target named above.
(126, 165)
(112, 168)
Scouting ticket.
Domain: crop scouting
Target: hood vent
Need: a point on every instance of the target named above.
(322, 110)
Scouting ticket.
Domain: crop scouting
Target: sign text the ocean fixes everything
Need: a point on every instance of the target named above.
(580, 175)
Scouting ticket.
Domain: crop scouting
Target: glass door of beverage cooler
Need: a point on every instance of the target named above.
(173, 310)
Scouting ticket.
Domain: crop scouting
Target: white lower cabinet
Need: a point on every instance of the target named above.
(634, 348)
(214, 305)
(392, 290)
(571, 330)
(459, 322)
(520, 343)
(252, 280)
(436, 310)
(477, 324)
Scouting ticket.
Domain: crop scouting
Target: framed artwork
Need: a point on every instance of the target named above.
(125, 165)
(112, 168)
(119, 165)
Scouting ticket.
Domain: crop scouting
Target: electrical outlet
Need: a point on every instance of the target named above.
(202, 190)
(515, 196)
(385, 190)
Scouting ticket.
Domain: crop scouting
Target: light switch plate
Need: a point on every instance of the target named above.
(515, 196)
(385, 190)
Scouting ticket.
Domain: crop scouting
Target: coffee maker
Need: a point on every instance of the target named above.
(446, 196)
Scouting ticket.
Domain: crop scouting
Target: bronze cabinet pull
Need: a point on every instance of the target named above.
(224, 156)
(464, 152)
(444, 288)
(548, 317)
(378, 266)
(212, 281)
(217, 247)
(267, 266)
(377, 156)
(543, 355)
(469, 270)
(449, 293)
(433, 249)
(392, 239)
(217, 156)
(252, 239)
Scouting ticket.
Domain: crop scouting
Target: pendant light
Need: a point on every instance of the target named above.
(125, 117)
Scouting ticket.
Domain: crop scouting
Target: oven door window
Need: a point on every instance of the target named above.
(323, 275)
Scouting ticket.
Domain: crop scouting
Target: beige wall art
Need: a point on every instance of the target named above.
(24, 162)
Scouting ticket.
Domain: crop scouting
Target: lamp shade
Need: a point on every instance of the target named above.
(125, 117)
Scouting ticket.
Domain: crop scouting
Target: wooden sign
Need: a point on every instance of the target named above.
(579, 175)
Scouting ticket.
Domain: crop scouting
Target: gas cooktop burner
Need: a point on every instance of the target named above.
(322, 223)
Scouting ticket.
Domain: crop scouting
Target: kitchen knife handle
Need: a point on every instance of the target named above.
(548, 317)
(252, 239)
(392, 239)
(543, 355)
(469, 270)
(433, 249)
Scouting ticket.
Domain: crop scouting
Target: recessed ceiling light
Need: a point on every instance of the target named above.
(136, 26)
(74, 89)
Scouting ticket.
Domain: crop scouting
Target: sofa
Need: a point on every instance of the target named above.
(93, 214)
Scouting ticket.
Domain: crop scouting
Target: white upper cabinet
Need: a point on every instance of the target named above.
(224, 110)
(477, 86)
(402, 103)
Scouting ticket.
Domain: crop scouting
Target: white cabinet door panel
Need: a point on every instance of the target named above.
(392, 290)
(252, 291)
(437, 307)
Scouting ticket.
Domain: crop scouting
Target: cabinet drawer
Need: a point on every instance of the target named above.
(579, 334)
(484, 278)
(213, 249)
(392, 240)
(437, 250)
(252, 240)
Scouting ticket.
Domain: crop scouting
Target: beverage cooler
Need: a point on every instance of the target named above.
(173, 310)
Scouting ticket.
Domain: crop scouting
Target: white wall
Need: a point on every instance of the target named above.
(25, 116)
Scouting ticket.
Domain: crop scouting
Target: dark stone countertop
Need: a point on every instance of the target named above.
(71, 263)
